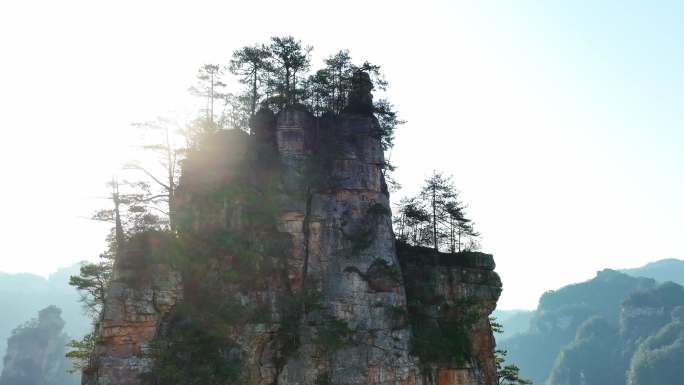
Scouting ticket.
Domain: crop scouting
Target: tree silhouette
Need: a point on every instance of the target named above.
(209, 85)
(290, 58)
(249, 63)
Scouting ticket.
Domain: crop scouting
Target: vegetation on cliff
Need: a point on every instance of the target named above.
(230, 224)
(436, 217)
(154, 220)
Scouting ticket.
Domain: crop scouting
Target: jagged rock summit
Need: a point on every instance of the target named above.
(289, 272)
(35, 352)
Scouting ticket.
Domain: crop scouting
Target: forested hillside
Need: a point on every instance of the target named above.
(613, 329)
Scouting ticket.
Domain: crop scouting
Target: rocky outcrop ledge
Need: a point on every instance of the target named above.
(399, 316)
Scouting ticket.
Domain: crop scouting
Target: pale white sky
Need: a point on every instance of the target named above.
(561, 123)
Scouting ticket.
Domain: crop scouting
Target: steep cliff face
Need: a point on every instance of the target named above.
(450, 298)
(136, 302)
(312, 291)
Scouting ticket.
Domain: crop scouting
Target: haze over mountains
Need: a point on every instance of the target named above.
(545, 342)
(664, 270)
(22, 296)
(629, 321)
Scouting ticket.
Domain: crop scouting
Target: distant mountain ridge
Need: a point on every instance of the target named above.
(514, 321)
(617, 308)
(517, 321)
(664, 270)
(561, 312)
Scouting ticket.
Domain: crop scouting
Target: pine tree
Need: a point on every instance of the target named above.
(438, 191)
(506, 374)
(210, 86)
(249, 63)
(290, 59)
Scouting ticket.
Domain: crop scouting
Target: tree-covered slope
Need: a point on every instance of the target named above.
(559, 315)
(659, 360)
(645, 349)
(594, 357)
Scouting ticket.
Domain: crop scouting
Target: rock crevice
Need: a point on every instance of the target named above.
(333, 222)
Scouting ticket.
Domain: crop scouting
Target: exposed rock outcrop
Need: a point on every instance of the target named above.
(136, 302)
(329, 303)
(35, 352)
(457, 292)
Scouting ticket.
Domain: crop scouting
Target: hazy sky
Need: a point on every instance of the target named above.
(561, 121)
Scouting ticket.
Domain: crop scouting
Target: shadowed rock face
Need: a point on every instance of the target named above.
(333, 214)
(462, 288)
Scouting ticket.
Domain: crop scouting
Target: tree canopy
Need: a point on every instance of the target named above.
(436, 217)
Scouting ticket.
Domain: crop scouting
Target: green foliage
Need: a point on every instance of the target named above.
(660, 358)
(388, 119)
(221, 233)
(276, 76)
(329, 86)
(667, 295)
(560, 314)
(447, 343)
(323, 379)
(332, 333)
(380, 268)
(594, 357)
(249, 63)
(608, 287)
(363, 233)
(436, 217)
(194, 353)
(290, 59)
(440, 337)
(496, 326)
(580, 326)
(92, 284)
(80, 352)
(507, 374)
(293, 307)
(360, 239)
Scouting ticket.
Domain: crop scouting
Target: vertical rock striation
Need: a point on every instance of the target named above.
(456, 293)
(140, 295)
(333, 255)
(343, 247)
